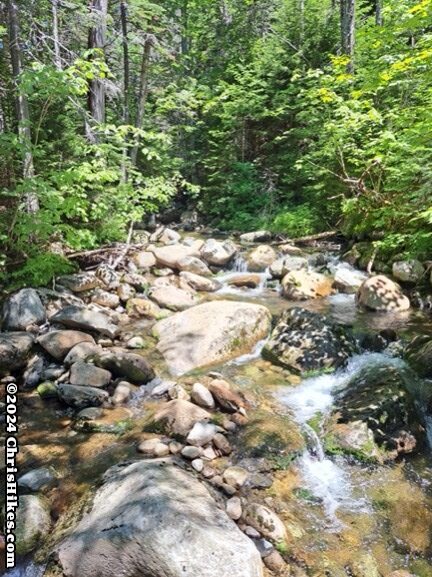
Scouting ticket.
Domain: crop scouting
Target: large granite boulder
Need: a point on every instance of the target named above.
(408, 271)
(210, 333)
(153, 519)
(301, 285)
(261, 258)
(305, 341)
(218, 253)
(382, 395)
(23, 309)
(381, 294)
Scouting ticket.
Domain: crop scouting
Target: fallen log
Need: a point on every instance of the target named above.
(310, 238)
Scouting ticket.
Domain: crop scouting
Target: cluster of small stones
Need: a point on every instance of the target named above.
(205, 447)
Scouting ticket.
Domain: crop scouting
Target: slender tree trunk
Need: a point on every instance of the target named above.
(126, 72)
(347, 24)
(225, 13)
(185, 23)
(143, 91)
(378, 13)
(24, 125)
(301, 11)
(97, 40)
(56, 36)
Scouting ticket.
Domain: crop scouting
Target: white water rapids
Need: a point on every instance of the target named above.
(328, 479)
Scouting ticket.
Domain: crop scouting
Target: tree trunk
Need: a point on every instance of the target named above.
(143, 91)
(378, 13)
(56, 36)
(301, 10)
(185, 23)
(23, 115)
(125, 42)
(97, 40)
(347, 24)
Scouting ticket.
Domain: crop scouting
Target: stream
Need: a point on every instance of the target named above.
(340, 513)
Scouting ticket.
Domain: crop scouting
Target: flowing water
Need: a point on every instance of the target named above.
(343, 510)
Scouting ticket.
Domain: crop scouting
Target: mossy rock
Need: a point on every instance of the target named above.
(271, 435)
(47, 390)
(354, 440)
(33, 523)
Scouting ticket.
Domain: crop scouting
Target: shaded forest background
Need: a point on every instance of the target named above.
(294, 115)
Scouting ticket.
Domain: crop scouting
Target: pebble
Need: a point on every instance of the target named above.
(136, 343)
(275, 563)
(36, 479)
(208, 472)
(190, 452)
(175, 447)
(209, 454)
(222, 443)
(202, 396)
(235, 476)
(201, 434)
(251, 532)
(239, 419)
(198, 465)
(234, 508)
(178, 392)
(264, 547)
(153, 448)
(229, 425)
(229, 489)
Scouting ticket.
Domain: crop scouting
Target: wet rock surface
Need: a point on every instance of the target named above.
(303, 341)
(297, 475)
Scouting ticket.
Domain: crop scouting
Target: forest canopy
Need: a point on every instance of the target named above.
(295, 115)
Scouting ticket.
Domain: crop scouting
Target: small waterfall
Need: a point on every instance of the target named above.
(252, 356)
(314, 443)
(239, 264)
(329, 479)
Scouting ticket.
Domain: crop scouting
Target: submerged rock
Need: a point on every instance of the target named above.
(305, 341)
(151, 518)
(23, 309)
(210, 333)
(80, 397)
(32, 523)
(381, 294)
